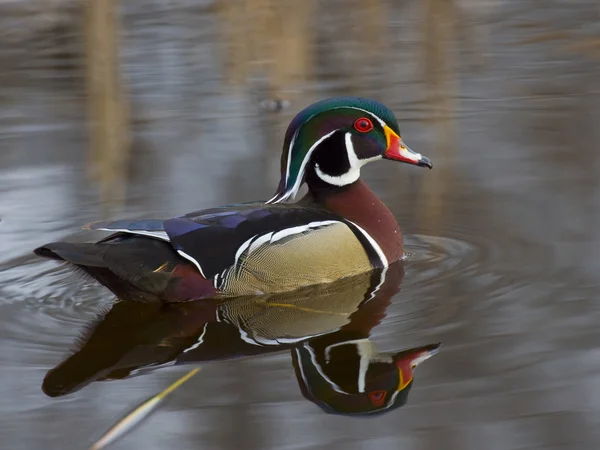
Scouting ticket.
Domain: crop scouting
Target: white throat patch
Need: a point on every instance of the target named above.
(353, 173)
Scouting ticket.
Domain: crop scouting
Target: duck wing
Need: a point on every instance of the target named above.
(217, 239)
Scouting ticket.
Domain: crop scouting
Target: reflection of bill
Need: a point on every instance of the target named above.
(326, 328)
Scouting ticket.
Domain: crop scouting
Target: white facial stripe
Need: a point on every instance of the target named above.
(317, 366)
(274, 199)
(363, 367)
(294, 190)
(289, 154)
(381, 122)
(287, 170)
(352, 158)
(368, 353)
(339, 344)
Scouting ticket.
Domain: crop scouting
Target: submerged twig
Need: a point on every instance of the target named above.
(135, 417)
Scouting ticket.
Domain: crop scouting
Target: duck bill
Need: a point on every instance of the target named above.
(397, 150)
(420, 354)
(408, 360)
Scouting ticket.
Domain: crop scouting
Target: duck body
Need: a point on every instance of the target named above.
(339, 229)
(232, 250)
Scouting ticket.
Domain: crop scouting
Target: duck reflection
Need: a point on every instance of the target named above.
(325, 328)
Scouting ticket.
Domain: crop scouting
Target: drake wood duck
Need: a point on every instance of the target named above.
(339, 229)
(325, 328)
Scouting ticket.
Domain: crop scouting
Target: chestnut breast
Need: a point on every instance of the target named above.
(360, 205)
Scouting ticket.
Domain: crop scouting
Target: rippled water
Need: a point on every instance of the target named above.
(503, 235)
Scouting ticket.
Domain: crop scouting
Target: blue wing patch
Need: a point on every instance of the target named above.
(179, 226)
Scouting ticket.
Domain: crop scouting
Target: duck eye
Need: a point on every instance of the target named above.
(363, 125)
(377, 397)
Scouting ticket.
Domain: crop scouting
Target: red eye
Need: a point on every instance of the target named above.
(377, 397)
(363, 125)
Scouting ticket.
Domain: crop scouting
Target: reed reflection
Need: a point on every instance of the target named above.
(325, 328)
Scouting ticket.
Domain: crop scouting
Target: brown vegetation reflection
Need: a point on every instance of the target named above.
(274, 44)
(107, 99)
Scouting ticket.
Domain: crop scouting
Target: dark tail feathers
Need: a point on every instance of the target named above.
(90, 255)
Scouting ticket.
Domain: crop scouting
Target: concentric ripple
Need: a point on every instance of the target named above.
(434, 257)
(49, 304)
(442, 270)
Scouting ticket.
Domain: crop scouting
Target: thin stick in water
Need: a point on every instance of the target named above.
(135, 417)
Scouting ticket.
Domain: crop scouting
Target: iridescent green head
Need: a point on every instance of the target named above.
(334, 138)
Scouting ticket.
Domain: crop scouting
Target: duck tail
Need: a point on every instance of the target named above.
(87, 255)
(138, 268)
(90, 260)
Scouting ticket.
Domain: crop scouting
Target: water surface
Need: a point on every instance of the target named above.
(503, 232)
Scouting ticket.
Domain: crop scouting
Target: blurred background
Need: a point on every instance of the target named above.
(124, 108)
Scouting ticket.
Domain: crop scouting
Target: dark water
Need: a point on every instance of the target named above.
(503, 232)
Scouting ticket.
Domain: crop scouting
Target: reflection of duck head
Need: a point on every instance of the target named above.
(353, 378)
(326, 327)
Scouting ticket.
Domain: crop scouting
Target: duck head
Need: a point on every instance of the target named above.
(353, 378)
(331, 140)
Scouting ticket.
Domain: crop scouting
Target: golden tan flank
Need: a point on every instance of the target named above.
(321, 255)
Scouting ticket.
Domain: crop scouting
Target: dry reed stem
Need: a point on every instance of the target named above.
(108, 118)
(439, 73)
(267, 38)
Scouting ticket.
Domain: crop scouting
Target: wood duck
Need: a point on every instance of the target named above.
(325, 328)
(340, 228)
